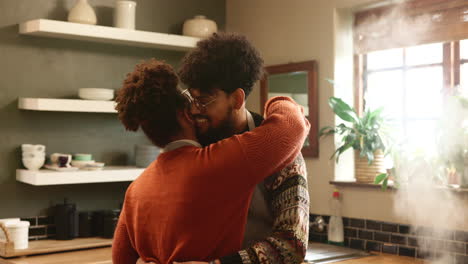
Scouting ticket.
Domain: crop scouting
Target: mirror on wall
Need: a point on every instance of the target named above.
(298, 81)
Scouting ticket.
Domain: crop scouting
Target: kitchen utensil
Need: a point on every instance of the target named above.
(66, 220)
(110, 222)
(84, 229)
(97, 223)
(61, 160)
(124, 14)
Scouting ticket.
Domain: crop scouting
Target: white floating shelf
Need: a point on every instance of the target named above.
(66, 105)
(51, 177)
(112, 35)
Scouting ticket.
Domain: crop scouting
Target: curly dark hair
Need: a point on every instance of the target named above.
(150, 98)
(226, 61)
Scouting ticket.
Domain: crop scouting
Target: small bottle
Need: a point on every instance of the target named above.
(335, 225)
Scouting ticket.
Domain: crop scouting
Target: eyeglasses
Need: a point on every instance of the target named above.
(201, 106)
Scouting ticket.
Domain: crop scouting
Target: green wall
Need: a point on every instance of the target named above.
(47, 67)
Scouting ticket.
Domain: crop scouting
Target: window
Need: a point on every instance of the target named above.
(408, 83)
(408, 57)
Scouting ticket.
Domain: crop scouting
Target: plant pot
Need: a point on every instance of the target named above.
(366, 173)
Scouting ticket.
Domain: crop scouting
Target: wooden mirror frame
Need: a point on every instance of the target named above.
(311, 68)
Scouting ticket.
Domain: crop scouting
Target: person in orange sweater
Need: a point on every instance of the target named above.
(160, 220)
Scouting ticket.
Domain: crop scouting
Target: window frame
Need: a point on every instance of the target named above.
(451, 67)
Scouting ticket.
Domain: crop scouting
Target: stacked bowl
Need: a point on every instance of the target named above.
(81, 160)
(100, 94)
(145, 154)
(33, 156)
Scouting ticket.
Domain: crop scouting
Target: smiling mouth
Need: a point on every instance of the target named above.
(199, 121)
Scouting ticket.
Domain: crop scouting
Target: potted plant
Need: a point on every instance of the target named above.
(363, 134)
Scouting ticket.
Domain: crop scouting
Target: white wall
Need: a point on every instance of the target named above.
(299, 30)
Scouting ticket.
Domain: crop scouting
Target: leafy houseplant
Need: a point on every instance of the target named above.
(364, 134)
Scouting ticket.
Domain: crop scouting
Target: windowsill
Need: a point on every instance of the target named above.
(359, 184)
(353, 184)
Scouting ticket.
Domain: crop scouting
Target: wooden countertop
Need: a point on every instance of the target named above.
(104, 256)
(90, 256)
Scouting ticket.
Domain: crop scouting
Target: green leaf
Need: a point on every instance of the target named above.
(325, 131)
(385, 184)
(343, 110)
(379, 178)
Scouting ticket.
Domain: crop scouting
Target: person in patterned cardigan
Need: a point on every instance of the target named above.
(278, 220)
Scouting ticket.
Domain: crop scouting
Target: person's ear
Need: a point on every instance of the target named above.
(239, 98)
(184, 117)
(188, 115)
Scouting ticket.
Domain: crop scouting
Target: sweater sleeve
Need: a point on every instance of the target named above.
(122, 249)
(261, 152)
(290, 204)
(271, 146)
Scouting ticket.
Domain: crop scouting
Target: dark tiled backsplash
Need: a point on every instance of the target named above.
(41, 227)
(403, 240)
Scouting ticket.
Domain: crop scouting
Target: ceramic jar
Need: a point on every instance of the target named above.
(82, 13)
(200, 27)
(124, 14)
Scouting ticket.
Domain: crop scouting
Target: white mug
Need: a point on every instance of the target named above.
(124, 14)
(56, 158)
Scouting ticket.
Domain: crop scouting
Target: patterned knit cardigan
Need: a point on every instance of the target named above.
(290, 205)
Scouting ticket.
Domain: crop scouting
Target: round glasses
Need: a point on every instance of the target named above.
(201, 106)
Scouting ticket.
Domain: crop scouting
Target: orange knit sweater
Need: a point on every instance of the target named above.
(191, 203)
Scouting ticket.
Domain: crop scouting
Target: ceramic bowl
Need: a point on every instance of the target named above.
(81, 156)
(31, 155)
(33, 163)
(81, 163)
(93, 166)
(101, 94)
(32, 148)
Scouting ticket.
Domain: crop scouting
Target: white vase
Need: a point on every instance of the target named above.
(200, 27)
(82, 13)
(124, 14)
